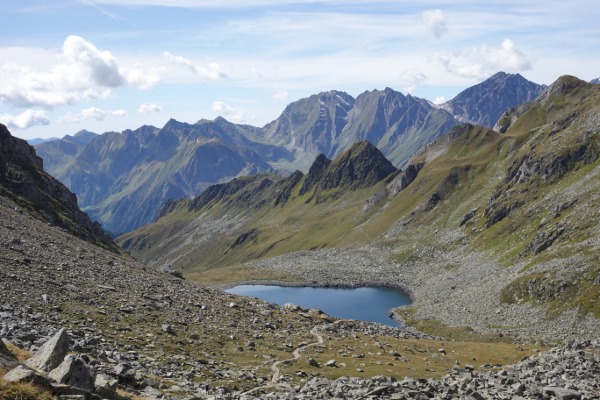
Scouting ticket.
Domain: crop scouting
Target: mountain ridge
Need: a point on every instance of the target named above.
(115, 173)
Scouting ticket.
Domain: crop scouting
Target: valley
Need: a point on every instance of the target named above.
(492, 232)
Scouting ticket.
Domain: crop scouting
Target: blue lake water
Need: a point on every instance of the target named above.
(367, 303)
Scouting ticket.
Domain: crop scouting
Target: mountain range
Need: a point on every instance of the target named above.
(510, 219)
(122, 179)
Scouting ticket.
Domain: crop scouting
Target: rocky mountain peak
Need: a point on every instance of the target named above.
(362, 164)
(484, 103)
(312, 124)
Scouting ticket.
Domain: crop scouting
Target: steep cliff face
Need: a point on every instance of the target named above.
(24, 183)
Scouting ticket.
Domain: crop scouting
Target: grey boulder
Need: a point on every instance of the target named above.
(51, 354)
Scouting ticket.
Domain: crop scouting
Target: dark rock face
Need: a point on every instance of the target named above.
(315, 173)
(485, 103)
(285, 187)
(404, 179)
(23, 181)
(362, 165)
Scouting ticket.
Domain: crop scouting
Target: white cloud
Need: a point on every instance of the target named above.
(84, 59)
(482, 61)
(435, 22)
(222, 108)
(240, 118)
(79, 72)
(439, 100)
(149, 108)
(412, 79)
(281, 94)
(142, 78)
(84, 115)
(212, 71)
(119, 113)
(24, 120)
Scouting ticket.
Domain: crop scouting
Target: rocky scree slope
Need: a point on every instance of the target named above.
(24, 182)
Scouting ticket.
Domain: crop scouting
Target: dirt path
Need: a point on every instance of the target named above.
(315, 331)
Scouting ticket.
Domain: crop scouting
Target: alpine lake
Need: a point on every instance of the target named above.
(365, 303)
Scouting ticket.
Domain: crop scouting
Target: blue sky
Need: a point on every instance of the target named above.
(103, 65)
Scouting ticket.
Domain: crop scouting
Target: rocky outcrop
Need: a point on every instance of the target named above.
(284, 188)
(361, 165)
(404, 178)
(315, 173)
(51, 368)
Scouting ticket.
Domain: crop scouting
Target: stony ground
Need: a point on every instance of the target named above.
(162, 337)
(177, 337)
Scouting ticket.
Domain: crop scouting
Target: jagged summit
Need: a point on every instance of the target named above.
(484, 104)
(362, 164)
(24, 183)
(312, 124)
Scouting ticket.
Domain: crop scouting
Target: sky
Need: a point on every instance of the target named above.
(111, 65)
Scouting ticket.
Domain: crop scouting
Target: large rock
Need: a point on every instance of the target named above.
(22, 374)
(51, 354)
(74, 371)
(106, 387)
